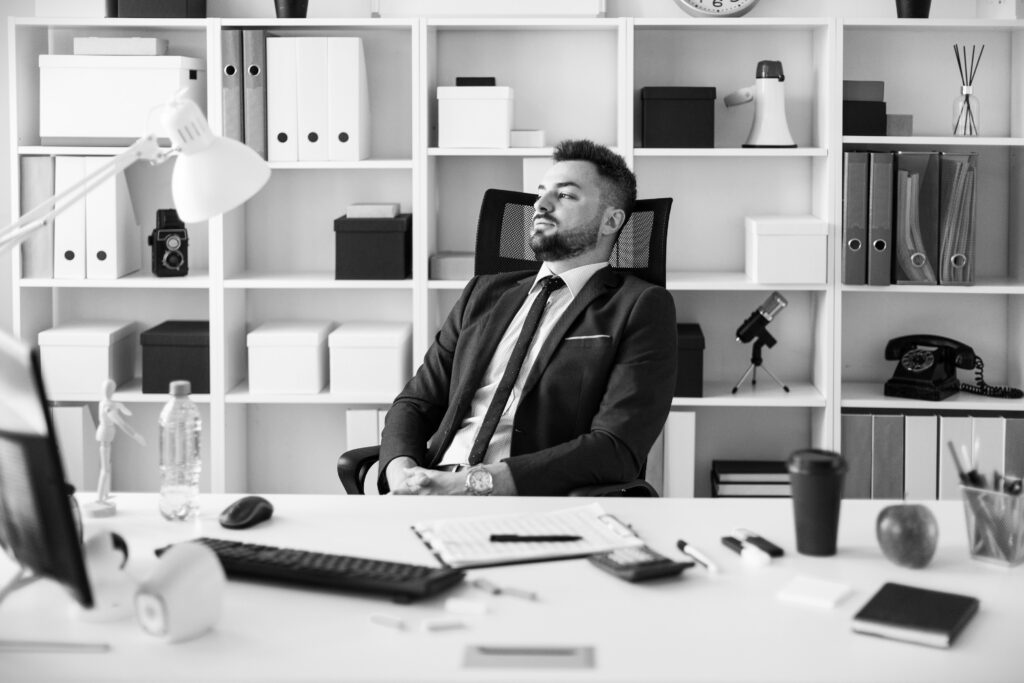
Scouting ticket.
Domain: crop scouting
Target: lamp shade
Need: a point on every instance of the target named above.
(212, 174)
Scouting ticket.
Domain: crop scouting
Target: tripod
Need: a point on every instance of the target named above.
(757, 361)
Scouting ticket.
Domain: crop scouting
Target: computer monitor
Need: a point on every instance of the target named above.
(37, 523)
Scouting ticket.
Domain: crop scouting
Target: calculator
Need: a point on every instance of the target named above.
(638, 564)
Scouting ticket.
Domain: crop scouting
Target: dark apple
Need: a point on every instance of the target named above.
(908, 534)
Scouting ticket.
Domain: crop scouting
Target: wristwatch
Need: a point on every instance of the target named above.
(479, 481)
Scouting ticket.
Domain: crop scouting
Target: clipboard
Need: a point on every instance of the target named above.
(464, 542)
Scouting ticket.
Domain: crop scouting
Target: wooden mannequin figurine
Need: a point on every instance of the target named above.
(110, 420)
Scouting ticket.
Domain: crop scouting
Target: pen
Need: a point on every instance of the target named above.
(517, 538)
(494, 589)
(697, 555)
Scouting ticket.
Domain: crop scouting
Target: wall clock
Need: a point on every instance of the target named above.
(717, 8)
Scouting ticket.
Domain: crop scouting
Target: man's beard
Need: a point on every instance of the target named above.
(562, 245)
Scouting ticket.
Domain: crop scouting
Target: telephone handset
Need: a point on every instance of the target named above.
(926, 369)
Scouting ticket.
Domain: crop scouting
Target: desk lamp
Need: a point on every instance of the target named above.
(212, 174)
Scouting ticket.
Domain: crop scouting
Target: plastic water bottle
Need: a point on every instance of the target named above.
(180, 457)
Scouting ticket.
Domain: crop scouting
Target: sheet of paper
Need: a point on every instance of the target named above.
(465, 541)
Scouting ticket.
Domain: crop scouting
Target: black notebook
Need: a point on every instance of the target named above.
(916, 615)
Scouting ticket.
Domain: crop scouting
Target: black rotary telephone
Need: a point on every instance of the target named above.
(926, 369)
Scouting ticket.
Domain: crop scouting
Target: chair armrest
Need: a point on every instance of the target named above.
(634, 489)
(353, 466)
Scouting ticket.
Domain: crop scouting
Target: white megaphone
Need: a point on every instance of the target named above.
(770, 128)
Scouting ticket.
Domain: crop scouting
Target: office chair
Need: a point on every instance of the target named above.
(503, 245)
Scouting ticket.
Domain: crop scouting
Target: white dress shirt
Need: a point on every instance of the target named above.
(500, 445)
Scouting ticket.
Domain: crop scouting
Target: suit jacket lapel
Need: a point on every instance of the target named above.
(491, 326)
(602, 281)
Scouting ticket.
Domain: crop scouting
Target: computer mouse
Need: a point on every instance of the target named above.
(246, 512)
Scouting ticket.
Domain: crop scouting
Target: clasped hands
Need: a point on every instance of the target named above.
(420, 481)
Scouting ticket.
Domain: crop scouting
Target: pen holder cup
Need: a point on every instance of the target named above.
(995, 526)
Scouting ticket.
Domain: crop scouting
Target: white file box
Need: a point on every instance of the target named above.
(112, 98)
(474, 116)
(370, 358)
(787, 249)
(77, 358)
(288, 358)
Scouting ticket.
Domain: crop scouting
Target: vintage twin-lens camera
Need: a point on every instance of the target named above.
(170, 245)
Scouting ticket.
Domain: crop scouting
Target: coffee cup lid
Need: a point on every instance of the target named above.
(816, 461)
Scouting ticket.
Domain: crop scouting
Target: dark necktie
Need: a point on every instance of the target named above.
(515, 364)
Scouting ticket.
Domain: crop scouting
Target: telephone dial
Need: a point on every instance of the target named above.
(926, 369)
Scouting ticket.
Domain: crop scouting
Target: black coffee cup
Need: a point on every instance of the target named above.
(913, 9)
(291, 9)
(816, 477)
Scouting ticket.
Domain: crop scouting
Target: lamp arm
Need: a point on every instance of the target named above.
(143, 149)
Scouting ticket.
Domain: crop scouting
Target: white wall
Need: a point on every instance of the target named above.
(326, 8)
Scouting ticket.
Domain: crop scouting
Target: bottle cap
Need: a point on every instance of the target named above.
(816, 461)
(768, 68)
(181, 388)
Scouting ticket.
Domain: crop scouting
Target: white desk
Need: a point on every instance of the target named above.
(729, 627)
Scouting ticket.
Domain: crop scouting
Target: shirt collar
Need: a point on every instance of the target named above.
(574, 279)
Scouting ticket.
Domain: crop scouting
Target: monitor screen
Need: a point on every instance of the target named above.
(37, 524)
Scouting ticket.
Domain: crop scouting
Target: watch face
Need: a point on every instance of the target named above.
(479, 481)
(717, 8)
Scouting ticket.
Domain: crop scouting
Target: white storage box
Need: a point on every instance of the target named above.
(288, 358)
(77, 358)
(112, 98)
(451, 265)
(370, 358)
(474, 116)
(787, 249)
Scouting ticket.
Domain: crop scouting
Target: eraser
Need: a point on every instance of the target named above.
(807, 590)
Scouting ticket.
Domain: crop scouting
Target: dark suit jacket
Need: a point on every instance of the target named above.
(595, 399)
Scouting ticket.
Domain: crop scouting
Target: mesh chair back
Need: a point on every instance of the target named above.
(506, 220)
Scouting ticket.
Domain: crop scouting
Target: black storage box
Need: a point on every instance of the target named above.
(690, 372)
(162, 9)
(863, 118)
(176, 349)
(373, 248)
(677, 117)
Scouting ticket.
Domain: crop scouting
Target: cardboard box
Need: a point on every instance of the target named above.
(690, 369)
(78, 9)
(452, 265)
(677, 117)
(370, 357)
(863, 118)
(288, 357)
(77, 358)
(176, 349)
(111, 97)
(474, 116)
(787, 249)
(373, 248)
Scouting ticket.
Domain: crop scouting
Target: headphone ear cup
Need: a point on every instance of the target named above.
(182, 598)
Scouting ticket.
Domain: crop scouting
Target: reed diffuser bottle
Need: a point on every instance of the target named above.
(966, 110)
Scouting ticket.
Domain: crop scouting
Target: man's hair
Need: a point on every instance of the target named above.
(619, 180)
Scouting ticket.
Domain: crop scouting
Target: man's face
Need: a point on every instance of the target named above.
(568, 211)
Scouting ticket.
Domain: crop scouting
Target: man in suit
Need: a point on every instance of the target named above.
(597, 378)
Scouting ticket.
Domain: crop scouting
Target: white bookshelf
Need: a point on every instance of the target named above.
(272, 259)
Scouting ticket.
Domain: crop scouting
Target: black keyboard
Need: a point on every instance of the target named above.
(402, 582)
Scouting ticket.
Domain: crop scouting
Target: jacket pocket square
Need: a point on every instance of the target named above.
(589, 337)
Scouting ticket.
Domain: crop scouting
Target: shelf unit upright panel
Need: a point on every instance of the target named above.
(915, 59)
(277, 260)
(713, 190)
